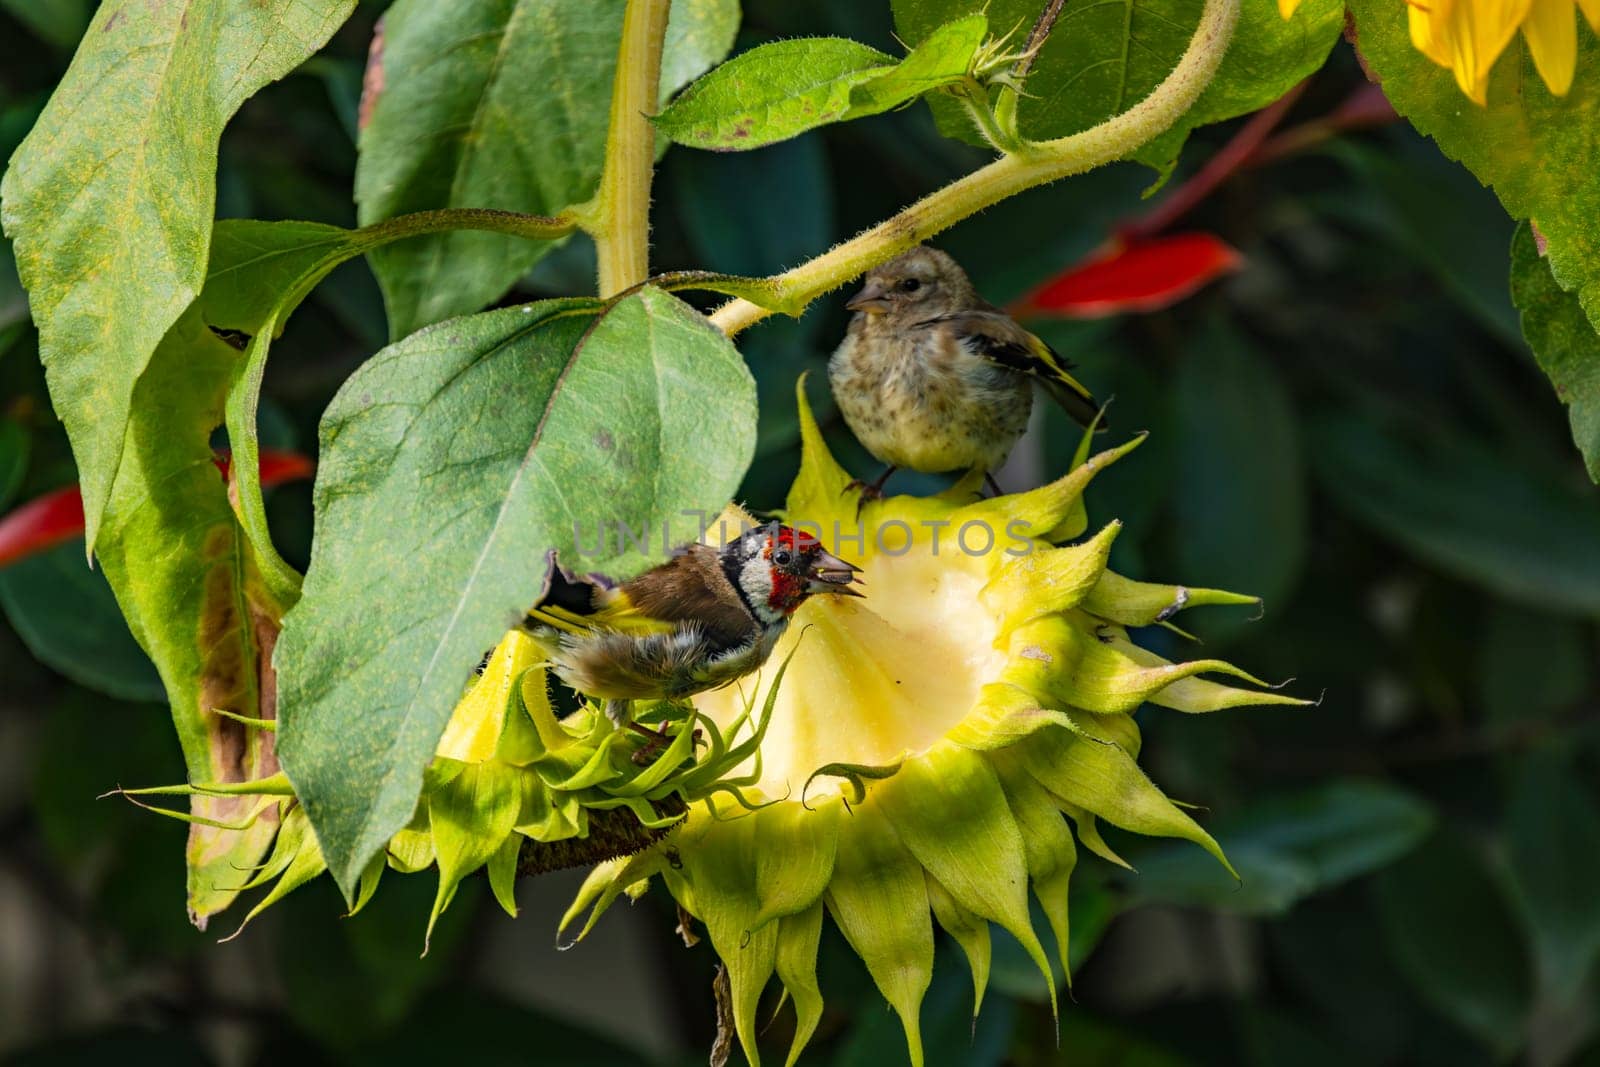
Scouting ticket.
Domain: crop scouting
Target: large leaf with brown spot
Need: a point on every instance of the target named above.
(451, 464)
(176, 558)
(185, 573)
(110, 198)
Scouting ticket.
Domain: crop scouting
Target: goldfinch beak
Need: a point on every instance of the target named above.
(873, 299)
(830, 574)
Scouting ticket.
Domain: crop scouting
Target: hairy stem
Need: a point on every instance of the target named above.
(1037, 164)
(1006, 106)
(621, 225)
(447, 220)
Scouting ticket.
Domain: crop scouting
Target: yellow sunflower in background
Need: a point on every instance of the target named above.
(928, 746)
(1468, 36)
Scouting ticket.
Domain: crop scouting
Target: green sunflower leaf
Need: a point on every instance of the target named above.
(1563, 340)
(771, 93)
(451, 464)
(1289, 847)
(110, 199)
(1553, 823)
(780, 90)
(1455, 938)
(1523, 534)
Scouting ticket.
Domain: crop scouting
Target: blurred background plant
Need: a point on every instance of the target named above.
(1313, 320)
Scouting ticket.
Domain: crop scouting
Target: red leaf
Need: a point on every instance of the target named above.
(280, 467)
(41, 523)
(57, 517)
(1140, 275)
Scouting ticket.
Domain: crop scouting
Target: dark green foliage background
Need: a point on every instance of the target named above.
(1351, 426)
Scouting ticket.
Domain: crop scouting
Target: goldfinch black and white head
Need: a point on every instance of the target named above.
(778, 567)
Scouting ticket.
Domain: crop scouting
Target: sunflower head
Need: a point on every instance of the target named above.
(932, 747)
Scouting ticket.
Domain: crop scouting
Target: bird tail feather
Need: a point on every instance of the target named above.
(1075, 400)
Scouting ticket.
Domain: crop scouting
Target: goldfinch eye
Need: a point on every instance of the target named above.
(782, 558)
(910, 285)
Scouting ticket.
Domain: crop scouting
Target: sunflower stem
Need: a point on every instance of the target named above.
(619, 219)
(1034, 164)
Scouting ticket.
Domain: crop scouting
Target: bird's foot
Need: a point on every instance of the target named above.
(656, 742)
(869, 490)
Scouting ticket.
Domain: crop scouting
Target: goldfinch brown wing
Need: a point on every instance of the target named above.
(689, 587)
(996, 336)
(692, 586)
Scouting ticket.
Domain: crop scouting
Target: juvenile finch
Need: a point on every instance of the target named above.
(704, 618)
(933, 377)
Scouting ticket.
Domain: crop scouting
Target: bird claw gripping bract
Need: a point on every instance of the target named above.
(931, 744)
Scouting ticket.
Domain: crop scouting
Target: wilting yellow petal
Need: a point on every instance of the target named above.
(1551, 29)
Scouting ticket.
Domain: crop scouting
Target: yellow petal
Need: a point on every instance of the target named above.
(1428, 23)
(1477, 31)
(1591, 13)
(1287, 8)
(1551, 29)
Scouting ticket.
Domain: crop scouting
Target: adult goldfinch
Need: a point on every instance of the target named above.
(704, 618)
(933, 377)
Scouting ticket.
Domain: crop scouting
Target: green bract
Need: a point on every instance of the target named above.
(515, 790)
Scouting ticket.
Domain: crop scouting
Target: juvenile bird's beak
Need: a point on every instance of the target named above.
(830, 574)
(873, 299)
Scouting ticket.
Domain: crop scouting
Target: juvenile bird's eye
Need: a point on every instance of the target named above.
(910, 285)
(782, 558)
